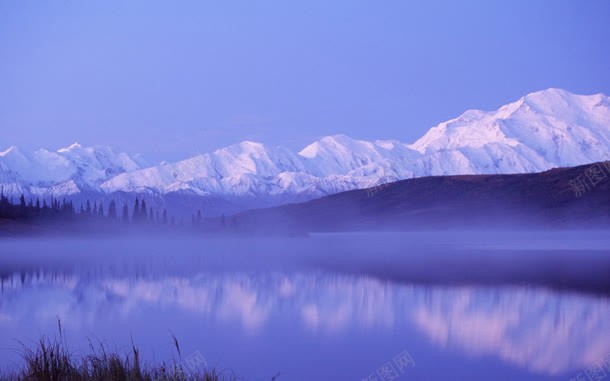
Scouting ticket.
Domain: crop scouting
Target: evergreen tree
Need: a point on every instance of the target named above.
(64, 206)
(100, 210)
(22, 205)
(88, 207)
(3, 206)
(223, 221)
(199, 217)
(143, 212)
(164, 217)
(136, 212)
(112, 210)
(125, 215)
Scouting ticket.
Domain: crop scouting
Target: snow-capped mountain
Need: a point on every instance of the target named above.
(546, 129)
(551, 128)
(249, 169)
(67, 171)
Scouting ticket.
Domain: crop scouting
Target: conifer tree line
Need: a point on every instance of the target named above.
(37, 209)
(136, 214)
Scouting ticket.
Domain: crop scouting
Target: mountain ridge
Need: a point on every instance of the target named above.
(542, 130)
(542, 200)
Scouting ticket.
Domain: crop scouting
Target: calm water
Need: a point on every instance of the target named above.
(329, 307)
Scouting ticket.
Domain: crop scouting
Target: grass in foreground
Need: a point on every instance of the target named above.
(50, 360)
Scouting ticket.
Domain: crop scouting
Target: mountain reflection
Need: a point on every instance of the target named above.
(541, 330)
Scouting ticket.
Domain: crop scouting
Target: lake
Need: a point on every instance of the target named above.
(362, 306)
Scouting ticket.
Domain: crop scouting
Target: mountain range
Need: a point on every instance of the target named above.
(542, 130)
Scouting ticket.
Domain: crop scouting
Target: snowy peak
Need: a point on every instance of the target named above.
(541, 130)
(234, 170)
(562, 103)
(342, 155)
(72, 147)
(12, 150)
(43, 169)
(560, 127)
(243, 148)
(338, 154)
(101, 157)
(331, 144)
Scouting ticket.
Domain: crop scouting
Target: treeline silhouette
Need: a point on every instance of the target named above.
(139, 214)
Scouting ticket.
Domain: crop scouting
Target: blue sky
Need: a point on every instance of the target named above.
(168, 79)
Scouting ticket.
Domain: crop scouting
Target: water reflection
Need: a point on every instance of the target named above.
(536, 329)
(543, 331)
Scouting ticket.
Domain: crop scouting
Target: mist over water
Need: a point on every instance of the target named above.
(463, 305)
